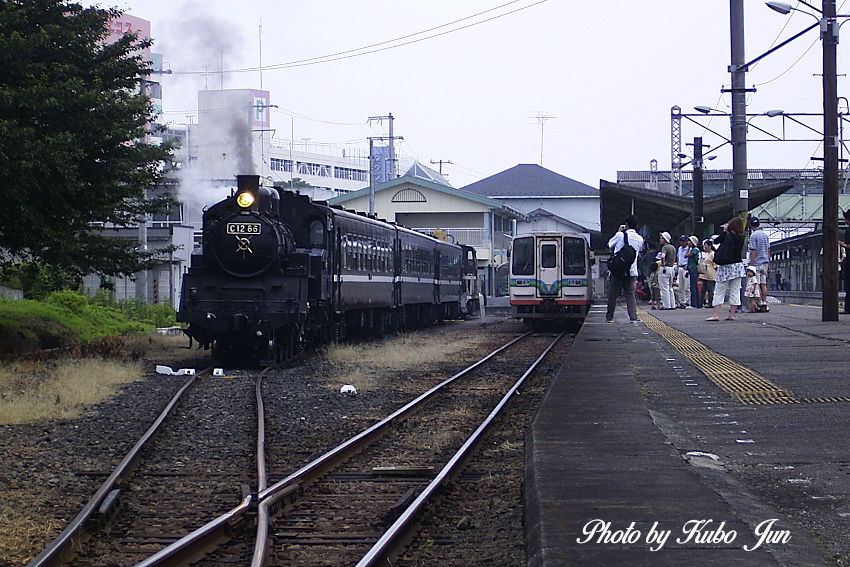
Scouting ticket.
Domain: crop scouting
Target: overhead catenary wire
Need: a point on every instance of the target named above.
(381, 46)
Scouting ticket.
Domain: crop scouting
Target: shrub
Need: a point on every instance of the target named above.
(74, 302)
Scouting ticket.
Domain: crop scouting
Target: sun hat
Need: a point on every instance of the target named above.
(751, 269)
(666, 236)
(694, 240)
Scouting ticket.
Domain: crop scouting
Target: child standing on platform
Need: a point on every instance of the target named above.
(753, 291)
(654, 285)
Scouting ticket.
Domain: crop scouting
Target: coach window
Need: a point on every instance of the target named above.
(522, 262)
(574, 257)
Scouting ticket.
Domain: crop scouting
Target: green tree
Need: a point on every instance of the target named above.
(295, 183)
(73, 119)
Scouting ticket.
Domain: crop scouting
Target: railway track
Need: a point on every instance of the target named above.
(185, 468)
(311, 514)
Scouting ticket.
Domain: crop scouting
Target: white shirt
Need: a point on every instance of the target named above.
(635, 241)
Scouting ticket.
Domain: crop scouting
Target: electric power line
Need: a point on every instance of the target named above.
(367, 50)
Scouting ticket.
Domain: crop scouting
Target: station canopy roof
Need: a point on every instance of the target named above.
(659, 211)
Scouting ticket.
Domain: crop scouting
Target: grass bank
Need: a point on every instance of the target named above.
(102, 344)
(67, 319)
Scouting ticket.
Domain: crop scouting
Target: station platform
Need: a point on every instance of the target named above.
(678, 441)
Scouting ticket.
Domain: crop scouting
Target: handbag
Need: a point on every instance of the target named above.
(725, 255)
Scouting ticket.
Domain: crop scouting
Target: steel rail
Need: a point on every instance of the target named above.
(268, 497)
(195, 545)
(59, 551)
(389, 543)
(307, 473)
(263, 512)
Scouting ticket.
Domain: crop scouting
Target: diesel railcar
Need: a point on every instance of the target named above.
(550, 278)
(278, 270)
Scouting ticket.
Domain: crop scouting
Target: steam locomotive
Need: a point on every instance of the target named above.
(277, 271)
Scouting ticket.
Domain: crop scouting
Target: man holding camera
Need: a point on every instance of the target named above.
(624, 283)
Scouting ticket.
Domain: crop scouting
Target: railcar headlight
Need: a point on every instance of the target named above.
(245, 199)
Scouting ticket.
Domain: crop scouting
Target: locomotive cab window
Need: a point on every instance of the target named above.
(317, 233)
(522, 262)
(574, 257)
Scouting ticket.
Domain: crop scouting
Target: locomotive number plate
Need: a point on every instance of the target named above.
(243, 228)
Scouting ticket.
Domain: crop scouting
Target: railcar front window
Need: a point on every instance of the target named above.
(522, 261)
(574, 257)
(548, 256)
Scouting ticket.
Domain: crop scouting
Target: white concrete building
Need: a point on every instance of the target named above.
(233, 136)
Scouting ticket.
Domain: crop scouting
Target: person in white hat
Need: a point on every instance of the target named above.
(683, 292)
(665, 275)
(752, 290)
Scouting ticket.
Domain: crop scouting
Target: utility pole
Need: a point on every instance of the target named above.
(441, 162)
(393, 173)
(698, 193)
(393, 165)
(371, 178)
(829, 40)
(676, 148)
(738, 69)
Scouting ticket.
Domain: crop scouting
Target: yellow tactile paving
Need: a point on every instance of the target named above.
(742, 383)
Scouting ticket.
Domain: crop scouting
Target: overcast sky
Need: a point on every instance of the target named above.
(602, 76)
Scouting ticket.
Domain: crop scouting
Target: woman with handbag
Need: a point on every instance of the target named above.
(730, 268)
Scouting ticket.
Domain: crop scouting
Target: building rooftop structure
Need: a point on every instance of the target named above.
(530, 187)
(658, 211)
(796, 210)
(531, 180)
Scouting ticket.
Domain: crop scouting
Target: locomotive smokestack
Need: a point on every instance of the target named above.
(248, 183)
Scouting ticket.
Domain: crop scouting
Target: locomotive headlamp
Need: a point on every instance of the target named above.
(245, 199)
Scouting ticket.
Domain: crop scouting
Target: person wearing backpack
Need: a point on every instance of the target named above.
(623, 279)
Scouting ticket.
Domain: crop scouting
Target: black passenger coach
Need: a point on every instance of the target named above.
(278, 270)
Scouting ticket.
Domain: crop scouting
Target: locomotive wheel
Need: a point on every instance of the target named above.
(285, 345)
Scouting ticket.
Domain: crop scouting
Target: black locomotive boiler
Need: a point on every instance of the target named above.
(277, 270)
